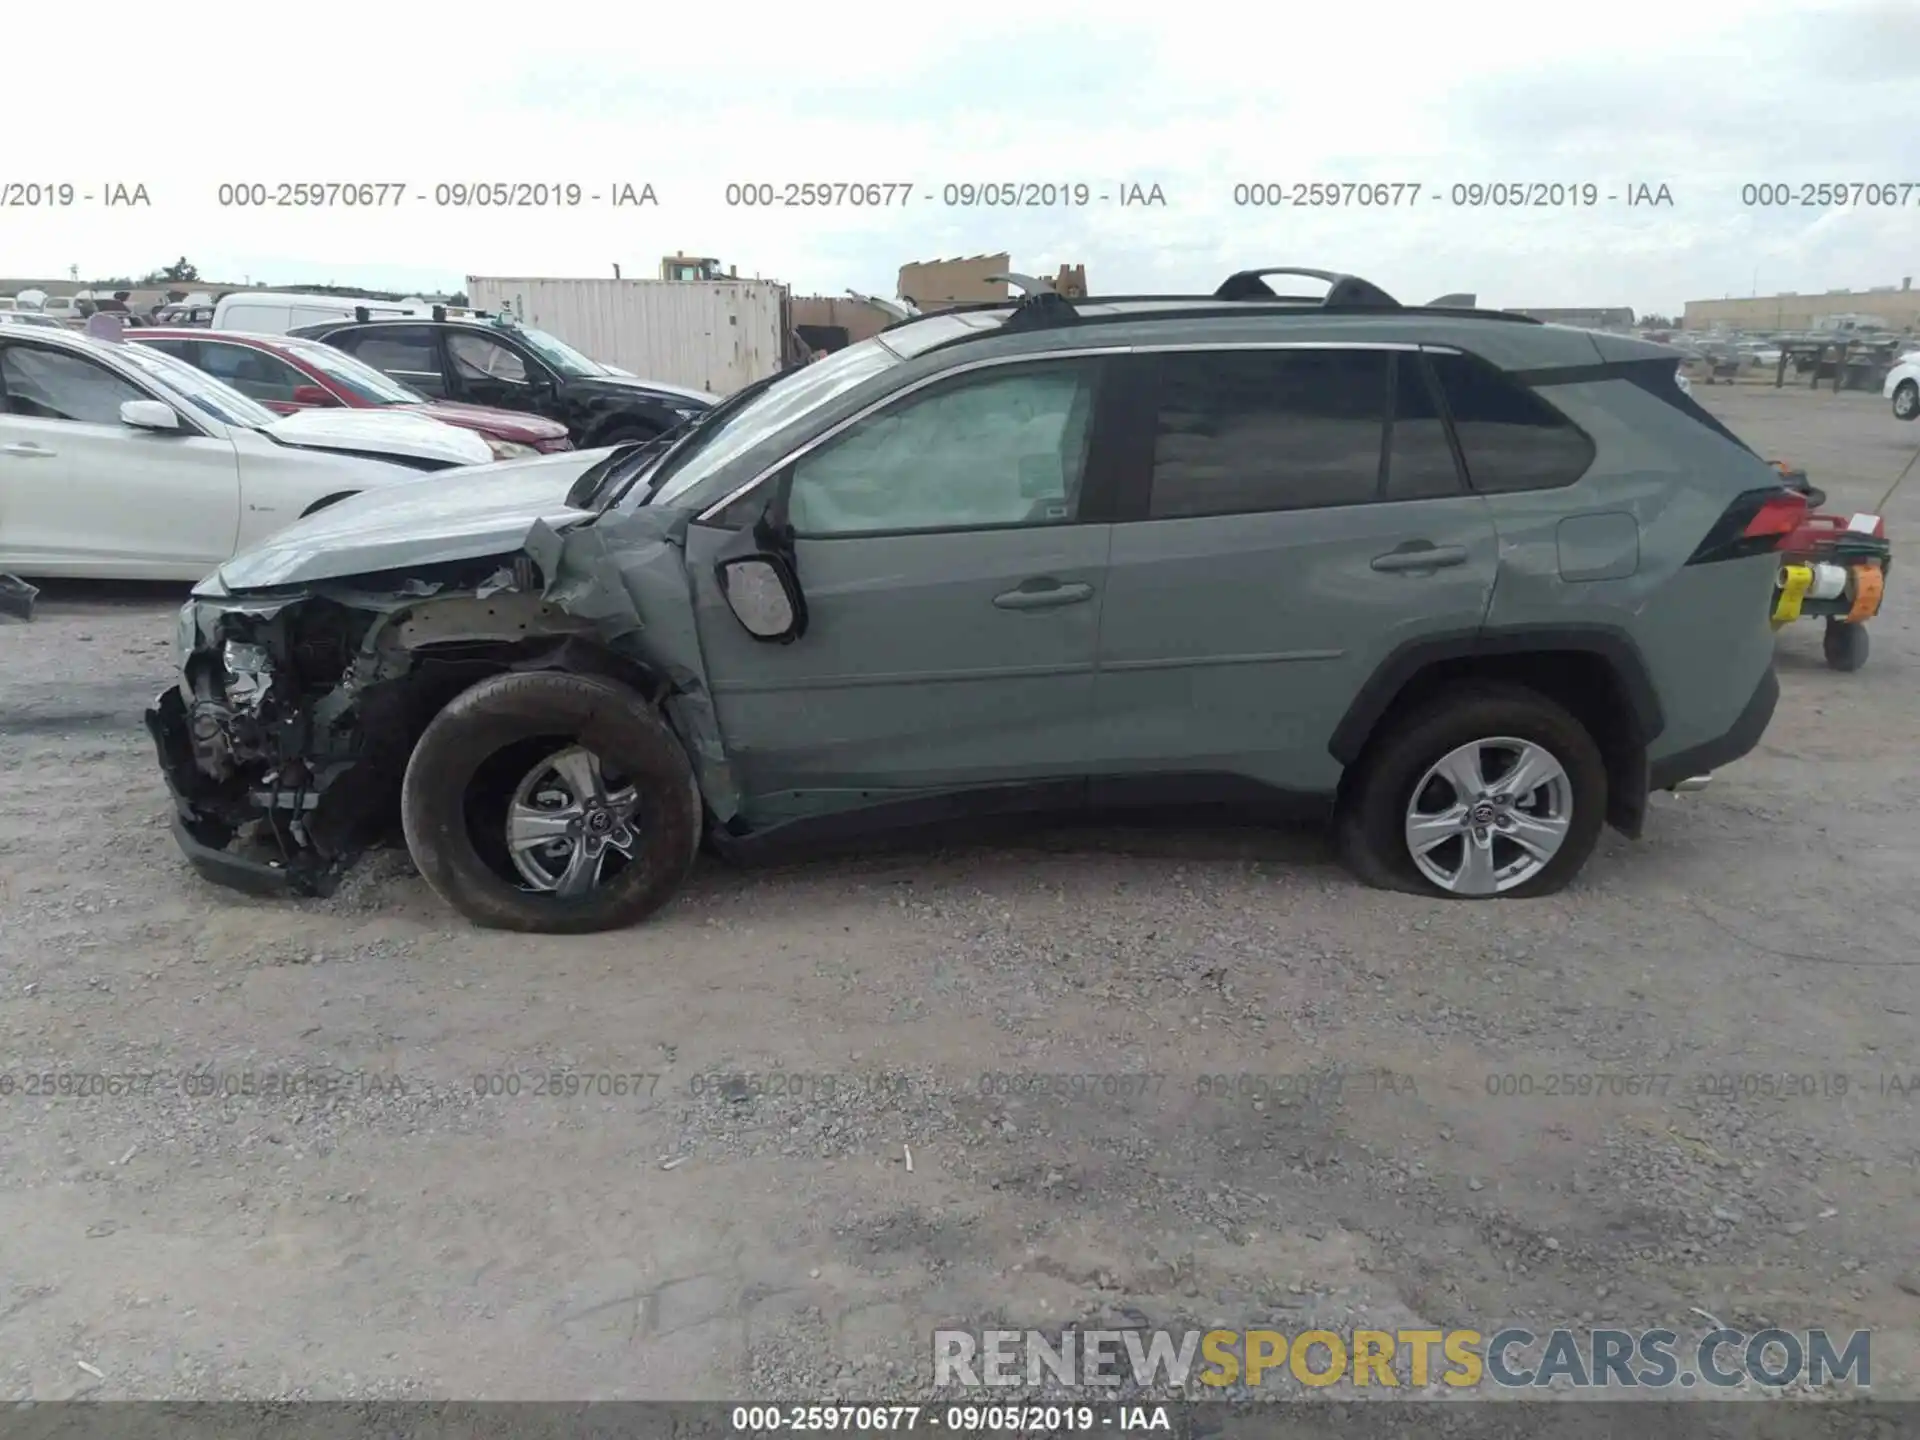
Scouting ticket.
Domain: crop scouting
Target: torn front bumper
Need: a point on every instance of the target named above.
(214, 847)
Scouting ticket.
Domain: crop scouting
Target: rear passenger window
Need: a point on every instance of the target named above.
(1420, 462)
(1510, 438)
(254, 373)
(406, 352)
(1246, 431)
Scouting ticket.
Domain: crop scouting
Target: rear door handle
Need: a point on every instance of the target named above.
(1045, 593)
(1421, 555)
(27, 452)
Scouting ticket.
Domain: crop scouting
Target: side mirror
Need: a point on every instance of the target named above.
(312, 395)
(148, 415)
(764, 596)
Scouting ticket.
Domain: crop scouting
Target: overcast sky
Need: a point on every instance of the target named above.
(1193, 98)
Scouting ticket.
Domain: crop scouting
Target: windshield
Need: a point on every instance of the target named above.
(714, 446)
(557, 353)
(358, 378)
(223, 402)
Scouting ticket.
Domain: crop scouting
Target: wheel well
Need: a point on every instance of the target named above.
(443, 670)
(621, 425)
(326, 500)
(1581, 681)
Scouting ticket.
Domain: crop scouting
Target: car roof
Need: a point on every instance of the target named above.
(349, 322)
(1245, 309)
(200, 332)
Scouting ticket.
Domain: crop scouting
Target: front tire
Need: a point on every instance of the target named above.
(551, 803)
(1486, 791)
(1906, 401)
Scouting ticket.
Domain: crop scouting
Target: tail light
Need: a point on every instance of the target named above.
(1756, 523)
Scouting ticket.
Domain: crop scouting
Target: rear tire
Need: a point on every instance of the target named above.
(454, 806)
(1379, 795)
(625, 434)
(1906, 401)
(1844, 645)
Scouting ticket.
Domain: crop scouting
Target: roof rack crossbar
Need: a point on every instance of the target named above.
(1342, 290)
(1029, 284)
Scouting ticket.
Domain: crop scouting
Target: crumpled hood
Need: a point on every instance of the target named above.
(515, 425)
(461, 515)
(381, 432)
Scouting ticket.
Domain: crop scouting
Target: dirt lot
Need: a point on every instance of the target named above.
(1356, 1160)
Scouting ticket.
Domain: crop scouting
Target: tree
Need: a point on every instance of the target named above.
(182, 270)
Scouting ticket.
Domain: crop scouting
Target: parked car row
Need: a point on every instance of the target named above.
(83, 477)
(288, 375)
(497, 362)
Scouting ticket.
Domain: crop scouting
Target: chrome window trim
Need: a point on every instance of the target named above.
(1031, 357)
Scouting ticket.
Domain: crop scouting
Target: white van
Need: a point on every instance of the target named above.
(265, 312)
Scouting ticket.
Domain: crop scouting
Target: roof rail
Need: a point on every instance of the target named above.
(1349, 294)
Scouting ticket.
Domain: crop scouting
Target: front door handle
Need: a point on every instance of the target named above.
(27, 452)
(1045, 593)
(1421, 555)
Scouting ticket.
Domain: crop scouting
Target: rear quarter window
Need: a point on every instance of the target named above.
(1510, 438)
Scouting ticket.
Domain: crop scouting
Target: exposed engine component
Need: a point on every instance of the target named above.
(249, 675)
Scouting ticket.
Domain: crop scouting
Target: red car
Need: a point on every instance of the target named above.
(286, 374)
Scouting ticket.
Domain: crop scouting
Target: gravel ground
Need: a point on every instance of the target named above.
(1162, 1076)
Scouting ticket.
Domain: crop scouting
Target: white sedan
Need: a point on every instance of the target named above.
(119, 462)
(1903, 387)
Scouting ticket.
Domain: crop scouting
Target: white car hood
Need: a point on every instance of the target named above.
(381, 432)
(459, 515)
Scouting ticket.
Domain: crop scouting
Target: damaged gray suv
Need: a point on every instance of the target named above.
(1469, 585)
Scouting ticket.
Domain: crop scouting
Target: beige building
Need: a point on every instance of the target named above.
(831, 322)
(931, 284)
(1897, 307)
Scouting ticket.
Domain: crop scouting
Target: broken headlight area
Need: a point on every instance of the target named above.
(268, 720)
(286, 740)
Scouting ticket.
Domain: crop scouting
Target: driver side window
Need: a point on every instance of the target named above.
(1004, 447)
(54, 385)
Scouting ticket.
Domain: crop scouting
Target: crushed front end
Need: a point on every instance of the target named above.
(261, 735)
(285, 741)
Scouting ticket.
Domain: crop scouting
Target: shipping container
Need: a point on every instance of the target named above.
(711, 335)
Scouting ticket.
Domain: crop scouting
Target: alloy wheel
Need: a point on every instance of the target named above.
(564, 821)
(1489, 816)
